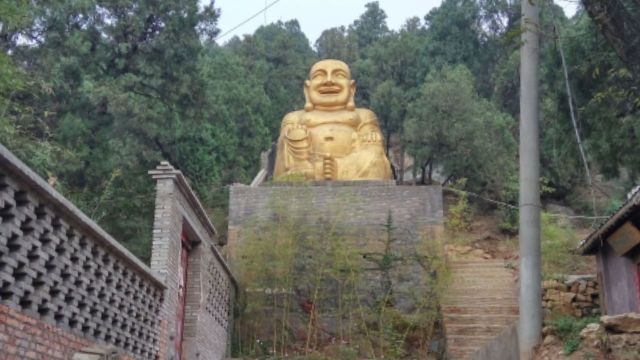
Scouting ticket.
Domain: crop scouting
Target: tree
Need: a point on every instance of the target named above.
(451, 129)
(280, 56)
(335, 43)
(235, 131)
(121, 88)
(369, 27)
(607, 97)
(618, 21)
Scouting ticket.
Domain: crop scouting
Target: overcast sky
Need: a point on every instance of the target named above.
(315, 16)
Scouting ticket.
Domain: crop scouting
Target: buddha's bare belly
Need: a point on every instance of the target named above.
(336, 140)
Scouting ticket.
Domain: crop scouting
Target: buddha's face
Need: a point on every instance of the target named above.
(329, 85)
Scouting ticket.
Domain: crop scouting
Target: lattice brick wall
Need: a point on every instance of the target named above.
(218, 299)
(51, 269)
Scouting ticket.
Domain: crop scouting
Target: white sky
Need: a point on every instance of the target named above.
(315, 16)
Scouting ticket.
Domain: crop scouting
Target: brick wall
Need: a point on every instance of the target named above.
(357, 211)
(353, 206)
(209, 307)
(61, 271)
(210, 288)
(25, 337)
(67, 287)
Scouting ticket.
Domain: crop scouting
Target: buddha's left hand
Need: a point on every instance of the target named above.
(371, 137)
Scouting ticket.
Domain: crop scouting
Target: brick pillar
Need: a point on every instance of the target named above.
(165, 252)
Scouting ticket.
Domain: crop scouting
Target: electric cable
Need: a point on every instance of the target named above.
(246, 21)
(574, 122)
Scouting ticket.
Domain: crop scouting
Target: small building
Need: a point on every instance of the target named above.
(616, 245)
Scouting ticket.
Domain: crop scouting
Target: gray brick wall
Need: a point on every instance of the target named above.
(354, 206)
(210, 288)
(356, 210)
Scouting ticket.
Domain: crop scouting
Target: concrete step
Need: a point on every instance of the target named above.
(482, 274)
(511, 309)
(503, 288)
(474, 329)
(480, 266)
(463, 263)
(476, 301)
(467, 340)
(461, 352)
(495, 319)
(481, 290)
(472, 280)
(480, 303)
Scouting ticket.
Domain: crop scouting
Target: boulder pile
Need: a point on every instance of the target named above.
(617, 336)
(576, 295)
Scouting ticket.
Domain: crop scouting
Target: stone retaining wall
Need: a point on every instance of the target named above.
(577, 295)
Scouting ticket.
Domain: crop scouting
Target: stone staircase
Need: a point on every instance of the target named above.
(480, 303)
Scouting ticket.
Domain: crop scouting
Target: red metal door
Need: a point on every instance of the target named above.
(638, 287)
(182, 293)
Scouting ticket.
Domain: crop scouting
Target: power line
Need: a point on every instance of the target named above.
(247, 20)
(573, 114)
(515, 207)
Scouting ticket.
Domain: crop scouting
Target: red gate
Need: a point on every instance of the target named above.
(182, 293)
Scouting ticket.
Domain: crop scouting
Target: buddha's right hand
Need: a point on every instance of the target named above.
(297, 132)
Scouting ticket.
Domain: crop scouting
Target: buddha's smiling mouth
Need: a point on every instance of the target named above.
(329, 90)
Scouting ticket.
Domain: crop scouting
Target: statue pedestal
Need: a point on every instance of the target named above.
(355, 210)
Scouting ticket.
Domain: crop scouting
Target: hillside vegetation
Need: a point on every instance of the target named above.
(95, 93)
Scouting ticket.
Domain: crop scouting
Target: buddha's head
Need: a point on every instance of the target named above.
(329, 86)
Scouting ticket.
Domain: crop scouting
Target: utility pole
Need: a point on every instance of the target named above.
(530, 325)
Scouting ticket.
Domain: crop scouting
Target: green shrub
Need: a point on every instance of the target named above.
(568, 330)
(460, 214)
(311, 289)
(558, 242)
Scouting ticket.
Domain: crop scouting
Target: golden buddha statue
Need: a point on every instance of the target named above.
(331, 139)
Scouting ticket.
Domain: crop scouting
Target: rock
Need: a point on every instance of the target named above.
(547, 330)
(549, 339)
(571, 279)
(583, 304)
(623, 346)
(591, 336)
(583, 298)
(582, 286)
(477, 253)
(553, 284)
(590, 331)
(629, 323)
(565, 309)
(574, 287)
(566, 297)
(552, 295)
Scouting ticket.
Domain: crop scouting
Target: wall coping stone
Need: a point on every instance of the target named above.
(325, 183)
(32, 180)
(166, 171)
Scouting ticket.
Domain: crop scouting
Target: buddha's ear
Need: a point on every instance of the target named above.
(351, 104)
(308, 106)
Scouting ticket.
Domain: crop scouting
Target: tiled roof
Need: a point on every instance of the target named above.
(594, 240)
